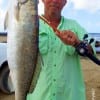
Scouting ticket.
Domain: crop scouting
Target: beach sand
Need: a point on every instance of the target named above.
(92, 79)
(91, 74)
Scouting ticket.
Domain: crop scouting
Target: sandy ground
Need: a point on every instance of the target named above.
(92, 80)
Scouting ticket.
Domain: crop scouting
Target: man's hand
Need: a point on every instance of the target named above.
(68, 37)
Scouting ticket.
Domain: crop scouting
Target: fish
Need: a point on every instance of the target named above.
(22, 24)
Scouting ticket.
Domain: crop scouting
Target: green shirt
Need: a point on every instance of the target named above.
(61, 75)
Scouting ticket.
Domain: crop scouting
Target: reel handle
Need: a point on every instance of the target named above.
(82, 50)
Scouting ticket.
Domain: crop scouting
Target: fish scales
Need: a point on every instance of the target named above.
(22, 41)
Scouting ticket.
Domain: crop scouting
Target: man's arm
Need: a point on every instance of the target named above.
(69, 38)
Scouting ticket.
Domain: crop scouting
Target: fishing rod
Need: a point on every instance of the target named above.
(82, 47)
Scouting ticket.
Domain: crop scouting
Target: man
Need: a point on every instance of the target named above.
(61, 75)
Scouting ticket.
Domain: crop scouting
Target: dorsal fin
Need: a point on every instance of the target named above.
(6, 21)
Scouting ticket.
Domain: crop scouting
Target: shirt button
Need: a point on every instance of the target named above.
(54, 80)
(54, 51)
(55, 65)
(54, 94)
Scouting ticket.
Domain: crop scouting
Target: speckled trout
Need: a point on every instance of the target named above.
(22, 26)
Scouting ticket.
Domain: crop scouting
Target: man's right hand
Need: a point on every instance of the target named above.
(68, 37)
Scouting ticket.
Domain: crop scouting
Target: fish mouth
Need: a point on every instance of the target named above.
(23, 1)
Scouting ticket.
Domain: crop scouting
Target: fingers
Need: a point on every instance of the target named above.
(67, 37)
(71, 40)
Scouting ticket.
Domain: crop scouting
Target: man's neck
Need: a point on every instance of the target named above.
(53, 20)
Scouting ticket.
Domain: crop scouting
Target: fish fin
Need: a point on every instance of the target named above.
(35, 75)
(41, 59)
(17, 11)
(6, 21)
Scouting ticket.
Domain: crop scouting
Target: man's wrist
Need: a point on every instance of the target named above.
(77, 43)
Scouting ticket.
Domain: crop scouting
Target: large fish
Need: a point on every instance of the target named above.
(22, 26)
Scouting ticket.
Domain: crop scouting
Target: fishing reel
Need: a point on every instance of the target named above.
(82, 49)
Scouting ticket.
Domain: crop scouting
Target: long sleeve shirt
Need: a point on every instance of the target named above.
(61, 76)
